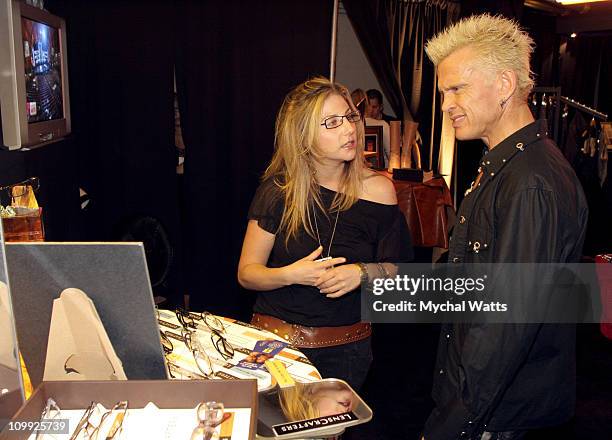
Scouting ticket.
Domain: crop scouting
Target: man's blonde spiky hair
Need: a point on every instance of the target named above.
(499, 44)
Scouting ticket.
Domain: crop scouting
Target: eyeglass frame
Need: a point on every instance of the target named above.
(184, 372)
(84, 422)
(353, 114)
(217, 331)
(214, 324)
(164, 338)
(122, 404)
(183, 315)
(51, 405)
(188, 337)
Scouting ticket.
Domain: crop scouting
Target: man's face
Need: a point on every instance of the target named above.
(374, 109)
(469, 96)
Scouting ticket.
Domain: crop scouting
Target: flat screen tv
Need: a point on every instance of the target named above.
(34, 98)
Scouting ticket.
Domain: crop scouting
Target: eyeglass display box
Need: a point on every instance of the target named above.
(163, 393)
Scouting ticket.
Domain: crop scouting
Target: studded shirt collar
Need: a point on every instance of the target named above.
(494, 160)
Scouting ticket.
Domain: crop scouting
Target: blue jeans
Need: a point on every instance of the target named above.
(349, 362)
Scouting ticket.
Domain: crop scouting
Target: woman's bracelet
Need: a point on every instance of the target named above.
(383, 270)
(363, 269)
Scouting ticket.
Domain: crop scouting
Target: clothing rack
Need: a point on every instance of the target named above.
(554, 97)
(584, 108)
(551, 96)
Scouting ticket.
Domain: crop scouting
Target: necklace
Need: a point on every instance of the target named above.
(475, 184)
(331, 240)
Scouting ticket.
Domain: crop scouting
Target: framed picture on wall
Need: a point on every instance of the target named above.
(607, 129)
(373, 148)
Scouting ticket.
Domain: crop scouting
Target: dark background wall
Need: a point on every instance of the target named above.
(235, 61)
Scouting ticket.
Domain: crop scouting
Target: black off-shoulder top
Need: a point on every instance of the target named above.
(367, 232)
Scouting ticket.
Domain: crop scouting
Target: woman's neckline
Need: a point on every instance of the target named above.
(358, 200)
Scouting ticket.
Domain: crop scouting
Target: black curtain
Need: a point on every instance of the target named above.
(235, 62)
(393, 34)
(120, 57)
(586, 68)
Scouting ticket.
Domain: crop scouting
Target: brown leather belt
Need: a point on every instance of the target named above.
(312, 337)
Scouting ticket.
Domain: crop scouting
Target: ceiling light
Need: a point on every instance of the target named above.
(573, 35)
(577, 2)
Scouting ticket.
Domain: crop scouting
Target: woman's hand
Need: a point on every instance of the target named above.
(307, 271)
(339, 280)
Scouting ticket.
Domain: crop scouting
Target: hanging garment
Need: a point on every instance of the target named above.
(572, 140)
(602, 158)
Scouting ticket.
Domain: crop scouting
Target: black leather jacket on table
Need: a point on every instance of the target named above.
(529, 207)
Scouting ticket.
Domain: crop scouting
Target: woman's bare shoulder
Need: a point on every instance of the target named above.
(378, 188)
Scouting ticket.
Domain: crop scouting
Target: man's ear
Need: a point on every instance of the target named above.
(507, 83)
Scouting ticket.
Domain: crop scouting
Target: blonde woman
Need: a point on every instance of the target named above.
(320, 223)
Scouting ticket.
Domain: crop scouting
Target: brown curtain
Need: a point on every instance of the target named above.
(393, 34)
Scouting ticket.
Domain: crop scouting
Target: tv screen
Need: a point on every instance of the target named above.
(34, 86)
(43, 71)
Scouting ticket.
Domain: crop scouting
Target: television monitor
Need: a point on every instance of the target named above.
(34, 98)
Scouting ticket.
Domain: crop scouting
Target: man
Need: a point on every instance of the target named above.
(496, 381)
(375, 107)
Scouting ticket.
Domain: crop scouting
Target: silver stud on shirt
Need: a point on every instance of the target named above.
(520, 146)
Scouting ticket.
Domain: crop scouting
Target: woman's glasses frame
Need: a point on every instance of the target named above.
(336, 121)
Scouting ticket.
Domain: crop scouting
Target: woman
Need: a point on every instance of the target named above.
(320, 224)
(312, 400)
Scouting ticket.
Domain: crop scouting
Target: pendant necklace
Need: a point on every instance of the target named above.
(331, 240)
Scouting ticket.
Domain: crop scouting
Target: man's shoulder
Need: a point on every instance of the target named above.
(540, 166)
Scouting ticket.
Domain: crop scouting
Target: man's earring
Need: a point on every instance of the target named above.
(502, 103)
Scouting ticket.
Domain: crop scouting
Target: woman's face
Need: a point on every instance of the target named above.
(330, 401)
(339, 143)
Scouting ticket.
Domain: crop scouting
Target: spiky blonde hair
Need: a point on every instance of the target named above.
(499, 44)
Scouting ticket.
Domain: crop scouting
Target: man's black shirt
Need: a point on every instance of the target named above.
(528, 207)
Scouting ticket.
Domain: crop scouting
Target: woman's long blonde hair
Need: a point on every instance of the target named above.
(296, 151)
(296, 403)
